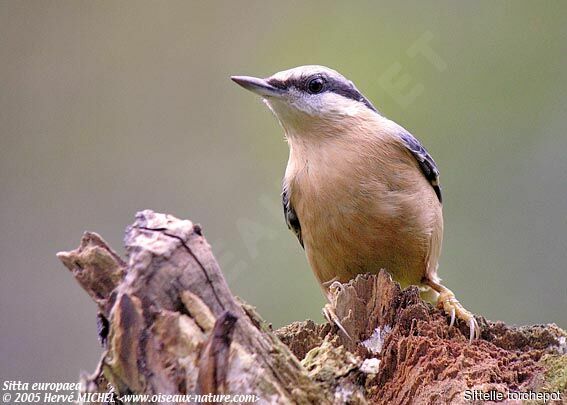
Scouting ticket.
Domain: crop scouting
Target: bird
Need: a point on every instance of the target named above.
(360, 192)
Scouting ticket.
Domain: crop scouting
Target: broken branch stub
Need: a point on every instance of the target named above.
(174, 326)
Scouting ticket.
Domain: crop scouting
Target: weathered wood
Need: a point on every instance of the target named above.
(172, 326)
(162, 315)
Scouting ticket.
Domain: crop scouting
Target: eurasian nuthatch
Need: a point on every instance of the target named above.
(360, 192)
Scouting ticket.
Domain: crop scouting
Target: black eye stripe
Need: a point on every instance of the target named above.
(338, 86)
(347, 90)
(279, 84)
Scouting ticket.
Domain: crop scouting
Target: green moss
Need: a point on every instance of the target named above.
(556, 373)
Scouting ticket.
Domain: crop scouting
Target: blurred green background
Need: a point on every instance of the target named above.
(109, 107)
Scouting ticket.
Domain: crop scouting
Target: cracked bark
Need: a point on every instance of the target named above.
(171, 326)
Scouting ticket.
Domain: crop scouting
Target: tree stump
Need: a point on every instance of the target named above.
(169, 325)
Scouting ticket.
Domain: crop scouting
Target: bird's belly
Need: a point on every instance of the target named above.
(343, 240)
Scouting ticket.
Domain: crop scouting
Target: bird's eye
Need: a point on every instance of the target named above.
(315, 85)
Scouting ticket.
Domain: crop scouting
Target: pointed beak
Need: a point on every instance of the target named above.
(258, 86)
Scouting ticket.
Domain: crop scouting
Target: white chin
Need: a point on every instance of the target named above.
(274, 111)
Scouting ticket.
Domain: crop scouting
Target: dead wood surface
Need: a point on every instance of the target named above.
(170, 325)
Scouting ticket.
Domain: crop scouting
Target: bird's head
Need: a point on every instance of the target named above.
(308, 97)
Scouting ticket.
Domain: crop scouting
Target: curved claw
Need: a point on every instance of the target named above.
(474, 329)
(453, 307)
(452, 318)
(332, 318)
(471, 329)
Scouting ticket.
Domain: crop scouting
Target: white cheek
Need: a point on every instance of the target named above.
(307, 105)
(293, 111)
(351, 110)
(329, 105)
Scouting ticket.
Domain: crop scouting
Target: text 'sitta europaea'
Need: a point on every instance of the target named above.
(360, 192)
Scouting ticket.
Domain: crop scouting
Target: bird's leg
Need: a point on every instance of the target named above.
(331, 288)
(331, 317)
(453, 307)
(327, 285)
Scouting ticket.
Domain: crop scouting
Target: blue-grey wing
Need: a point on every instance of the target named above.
(291, 218)
(426, 162)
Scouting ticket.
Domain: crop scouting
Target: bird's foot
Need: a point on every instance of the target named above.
(331, 317)
(332, 288)
(453, 307)
(333, 283)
